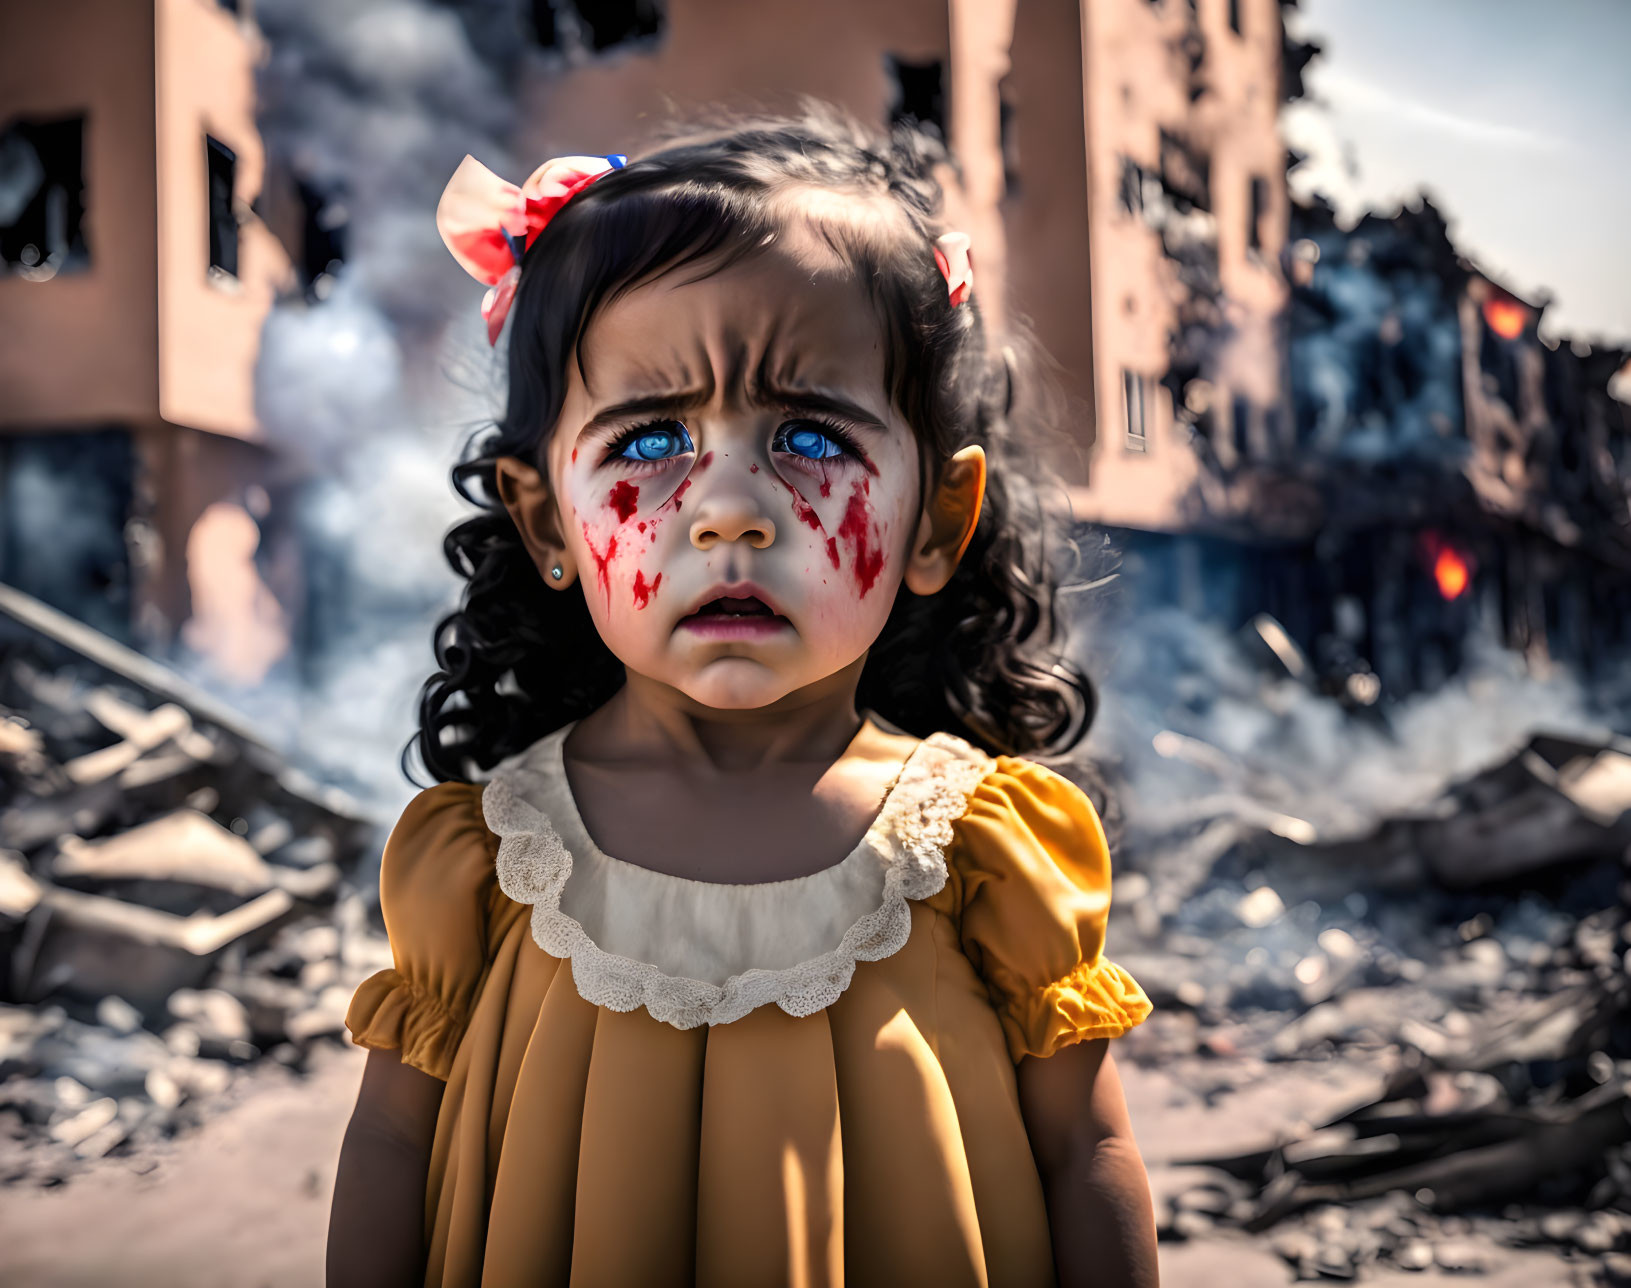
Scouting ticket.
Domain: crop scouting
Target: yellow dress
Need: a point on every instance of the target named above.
(653, 1080)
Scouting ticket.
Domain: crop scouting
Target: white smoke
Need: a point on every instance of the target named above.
(1298, 752)
(371, 391)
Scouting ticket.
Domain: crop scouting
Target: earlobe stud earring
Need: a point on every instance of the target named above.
(556, 572)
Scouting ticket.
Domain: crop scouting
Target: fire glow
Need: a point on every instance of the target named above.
(1506, 317)
(1452, 570)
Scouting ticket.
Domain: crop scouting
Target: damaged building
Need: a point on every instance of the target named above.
(135, 492)
(1186, 222)
(1355, 430)
(1465, 470)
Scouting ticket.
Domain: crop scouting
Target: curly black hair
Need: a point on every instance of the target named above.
(982, 658)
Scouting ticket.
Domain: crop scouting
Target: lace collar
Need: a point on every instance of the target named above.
(697, 952)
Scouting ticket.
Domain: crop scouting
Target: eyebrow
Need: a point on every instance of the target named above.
(676, 404)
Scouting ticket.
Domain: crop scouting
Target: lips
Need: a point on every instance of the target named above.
(732, 606)
(737, 611)
(734, 599)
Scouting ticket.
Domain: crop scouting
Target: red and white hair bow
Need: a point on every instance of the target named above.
(953, 258)
(489, 223)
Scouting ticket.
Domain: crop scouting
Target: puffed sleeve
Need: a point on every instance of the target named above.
(1034, 871)
(436, 890)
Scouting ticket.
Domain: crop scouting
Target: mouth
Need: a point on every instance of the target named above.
(735, 606)
(742, 614)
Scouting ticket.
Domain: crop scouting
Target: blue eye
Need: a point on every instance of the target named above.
(654, 444)
(803, 439)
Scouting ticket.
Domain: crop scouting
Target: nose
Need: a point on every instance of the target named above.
(729, 511)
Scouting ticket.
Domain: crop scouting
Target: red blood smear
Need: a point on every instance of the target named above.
(602, 561)
(803, 509)
(832, 553)
(574, 456)
(678, 493)
(856, 528)
(623, 499)
(703, 463)
(641, 525)
(753, 469)
(826, 487)
(643, 592)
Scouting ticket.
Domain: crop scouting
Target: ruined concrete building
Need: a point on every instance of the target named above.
(1456, 465)
(134, 283)
(1186, 220)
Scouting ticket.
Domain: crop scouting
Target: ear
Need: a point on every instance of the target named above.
(947, 523)
(526, 495)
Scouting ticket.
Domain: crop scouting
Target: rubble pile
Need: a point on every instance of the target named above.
(175, 902)
(1475, 952)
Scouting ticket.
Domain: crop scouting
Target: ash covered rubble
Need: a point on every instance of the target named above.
(176, 902)
(1467, 949)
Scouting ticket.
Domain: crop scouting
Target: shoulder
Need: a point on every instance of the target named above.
(438, 857)
(1021, 803)
(438, 894)
(1031, 869)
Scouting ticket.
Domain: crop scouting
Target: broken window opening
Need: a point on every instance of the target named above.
(1254, 220)
(1186, 173)
(1135, 408)
(322, 239)
(1131, 191)
(920, 96)
(1240, 422)
(223, 167)
(42, 197)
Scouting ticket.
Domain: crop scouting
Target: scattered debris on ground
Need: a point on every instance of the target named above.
(176, 901)
(1478, 950)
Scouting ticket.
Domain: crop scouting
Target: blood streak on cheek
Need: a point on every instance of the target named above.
(643, 592)
(858, 529)
(602, 561)
(703, 463)
(753, 469)
(832, 553)
(678, 493)
(805, 511)
(623, 499)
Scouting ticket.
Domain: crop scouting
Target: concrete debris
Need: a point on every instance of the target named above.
(175, 902)
(1509, 1100)
(183, 846)
(1473, 954)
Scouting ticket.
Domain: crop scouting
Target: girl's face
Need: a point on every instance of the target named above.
(734, 490)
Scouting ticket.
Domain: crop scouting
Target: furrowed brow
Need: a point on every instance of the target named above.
(651, 405)
(816, 402)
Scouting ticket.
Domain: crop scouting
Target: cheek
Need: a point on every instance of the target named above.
(616, 538)
(850, 531)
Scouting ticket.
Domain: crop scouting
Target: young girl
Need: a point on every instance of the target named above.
(760, 956)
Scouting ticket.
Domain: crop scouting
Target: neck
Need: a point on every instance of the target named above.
(647, 720)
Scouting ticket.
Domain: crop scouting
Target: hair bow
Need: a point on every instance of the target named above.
(953, 257)
(489, 223)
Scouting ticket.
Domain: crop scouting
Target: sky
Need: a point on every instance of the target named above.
(1515, 115)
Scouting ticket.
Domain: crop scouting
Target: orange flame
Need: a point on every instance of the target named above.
(1451, 572)
(1506, 317)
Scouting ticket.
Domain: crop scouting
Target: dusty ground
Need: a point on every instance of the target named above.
(243, 1201)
